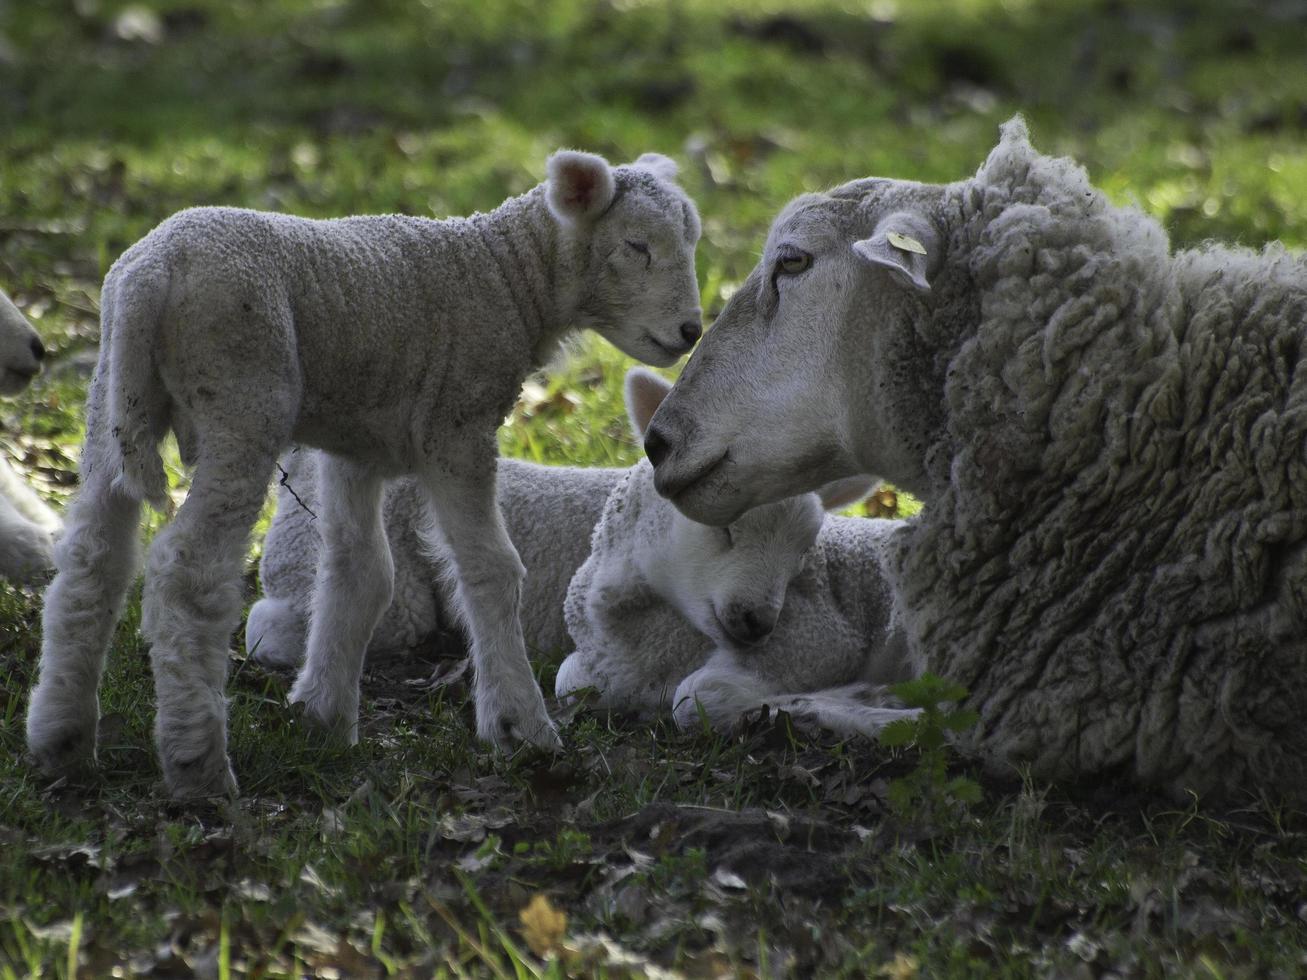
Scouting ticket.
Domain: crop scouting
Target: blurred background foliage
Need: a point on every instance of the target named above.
(116, 114)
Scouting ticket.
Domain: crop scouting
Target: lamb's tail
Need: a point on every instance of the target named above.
(130, 311)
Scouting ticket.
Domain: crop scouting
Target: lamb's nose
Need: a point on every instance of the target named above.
(38, 348)
(755, 628)
(656, 447)
(691, 330)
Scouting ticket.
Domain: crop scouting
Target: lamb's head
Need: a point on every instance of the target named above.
(729, 582)
(21, 350)
(638, 230)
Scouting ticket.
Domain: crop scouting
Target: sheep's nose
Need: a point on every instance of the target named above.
(750, 625)
(656, 447)
(38, 348)
(691, 330)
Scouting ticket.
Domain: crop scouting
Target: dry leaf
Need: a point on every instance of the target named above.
(904, 966)
(543, 925)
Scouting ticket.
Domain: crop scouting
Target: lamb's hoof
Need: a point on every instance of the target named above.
(338, 725)
(506, 726)
(65, 751)
(207, 776)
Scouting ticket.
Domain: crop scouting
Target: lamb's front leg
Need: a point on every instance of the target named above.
(353, 588)
(488, 577)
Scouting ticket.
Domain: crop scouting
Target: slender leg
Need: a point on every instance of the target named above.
(192, 604)
(487, 596)
(95, 561)
(353, 588)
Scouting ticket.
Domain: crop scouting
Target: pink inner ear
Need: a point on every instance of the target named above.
(581, 184)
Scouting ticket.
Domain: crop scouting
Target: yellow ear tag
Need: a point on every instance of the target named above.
(905, 243)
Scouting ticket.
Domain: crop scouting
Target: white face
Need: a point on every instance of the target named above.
(813, 370)
(638, 287)
(21, 350)
(730, 582)
(641, 290)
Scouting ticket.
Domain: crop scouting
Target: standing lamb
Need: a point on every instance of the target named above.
(27, 525)
(397, 345)
(780, 607)
(1109, 439)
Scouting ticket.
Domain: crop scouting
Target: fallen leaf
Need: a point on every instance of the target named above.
(543, 925)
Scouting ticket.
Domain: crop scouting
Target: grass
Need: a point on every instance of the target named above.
(769, 854)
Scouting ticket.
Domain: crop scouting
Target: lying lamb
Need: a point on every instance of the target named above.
(705, 584)
(397, 345)
(1109, 438)
(27, 525)
(780, 607)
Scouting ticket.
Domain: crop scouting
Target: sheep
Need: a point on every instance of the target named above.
(1108, 437)
(397, 345)
(784, 606)
(27, 525)
(549, 512)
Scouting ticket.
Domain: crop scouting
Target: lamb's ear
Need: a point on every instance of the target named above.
(839, 494)
(907, 244)
(581, 186)
(645, 391)
(664, 168)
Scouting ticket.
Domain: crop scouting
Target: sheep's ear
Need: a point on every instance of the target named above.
(664, 168)
(645, 391)
(905, 243)
(839, 494)
(581, 186)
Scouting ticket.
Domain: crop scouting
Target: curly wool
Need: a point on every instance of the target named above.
(1114, 564)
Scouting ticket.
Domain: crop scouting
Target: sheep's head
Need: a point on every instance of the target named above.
(639, 230)
(820, 366)
(21, 350)
(729, 582)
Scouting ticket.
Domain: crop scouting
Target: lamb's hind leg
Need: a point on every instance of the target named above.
(192, 604)
(488, 579)
(353, 588)
(95, 561)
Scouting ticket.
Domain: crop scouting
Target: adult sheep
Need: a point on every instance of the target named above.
(1109, 439)
(396, 344)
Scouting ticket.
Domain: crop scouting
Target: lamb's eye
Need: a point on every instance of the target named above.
(791, 261)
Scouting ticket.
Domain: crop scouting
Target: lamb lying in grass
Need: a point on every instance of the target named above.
(780, 607)
(27, 525)
(1108, 436)
(397, 345)
(697, 597)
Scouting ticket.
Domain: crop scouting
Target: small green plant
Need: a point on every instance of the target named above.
(928, 789)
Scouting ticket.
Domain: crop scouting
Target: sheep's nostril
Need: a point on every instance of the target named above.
(691, 330)
(656, 447)
(38, 348)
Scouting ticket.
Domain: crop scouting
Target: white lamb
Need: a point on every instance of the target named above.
(27, 525)
(780, 607)
(398, 345)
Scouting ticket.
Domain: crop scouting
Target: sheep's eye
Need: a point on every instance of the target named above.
(791, 261)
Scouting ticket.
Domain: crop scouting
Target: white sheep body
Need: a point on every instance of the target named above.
(398, 345)
(549, 511)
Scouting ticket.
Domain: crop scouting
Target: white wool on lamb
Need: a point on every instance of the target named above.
(781, 607)
(397, 344)
(1109, 439)
(549, 512)
(27, 525)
